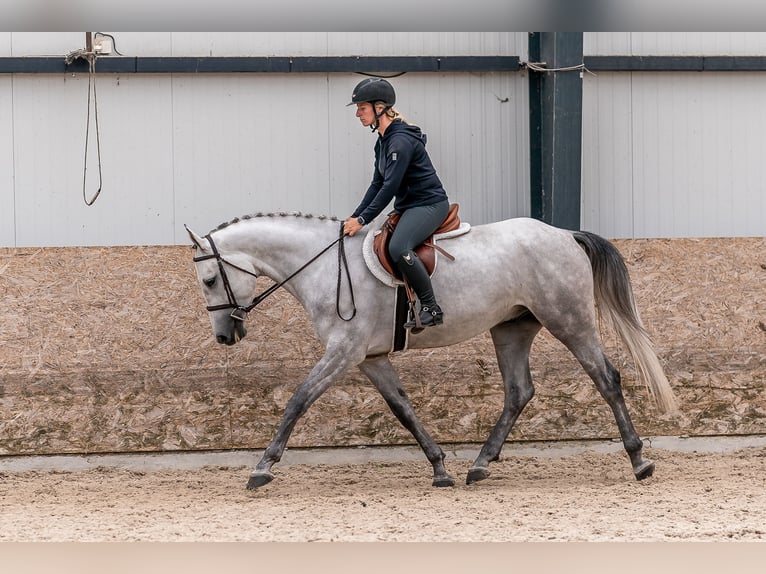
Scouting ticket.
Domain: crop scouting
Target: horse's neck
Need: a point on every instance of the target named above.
(279, 245)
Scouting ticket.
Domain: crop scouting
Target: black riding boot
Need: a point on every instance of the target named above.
(412, 268)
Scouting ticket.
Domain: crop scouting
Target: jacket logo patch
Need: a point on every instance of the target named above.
(393, 156)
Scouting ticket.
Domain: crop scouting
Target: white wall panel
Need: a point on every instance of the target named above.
(136, 202)
(699, 43)
(49, 118)
(7, 199)
(247, 144)
(424, 43)
(7, 207)
(201, 149)
(292, 144)
(203, 44)
(346, 43)
(607, 171)
(607, 43)
(674, 43)
(689, 145)
(145, 44)
(664, 154)
(46, 43)
(61, 43)
(351, 145)
(477, 140)
(249, 44)
(5, 44)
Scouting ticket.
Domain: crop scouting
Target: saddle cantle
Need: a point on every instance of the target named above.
(426, 251)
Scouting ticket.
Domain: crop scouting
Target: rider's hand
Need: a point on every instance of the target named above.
(351, 226)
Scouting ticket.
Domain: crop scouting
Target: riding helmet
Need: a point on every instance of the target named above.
(373, 90)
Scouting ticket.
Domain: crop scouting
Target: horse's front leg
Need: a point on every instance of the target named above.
(330, 367)
(385, 378)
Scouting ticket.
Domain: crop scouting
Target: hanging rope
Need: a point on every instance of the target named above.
(90, 57)
(92, 85)
(541, 67)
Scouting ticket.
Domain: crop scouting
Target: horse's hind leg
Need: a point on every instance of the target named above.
(385, 378)
(512, 341)
(611, 390)
(584, 343)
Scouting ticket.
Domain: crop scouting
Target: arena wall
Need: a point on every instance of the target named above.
(109, 349)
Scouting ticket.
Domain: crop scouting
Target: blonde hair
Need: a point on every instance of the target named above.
(392, 113)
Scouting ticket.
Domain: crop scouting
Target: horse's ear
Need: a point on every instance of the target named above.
(198, 241)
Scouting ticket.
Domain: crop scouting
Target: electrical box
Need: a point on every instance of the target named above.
(102, 46)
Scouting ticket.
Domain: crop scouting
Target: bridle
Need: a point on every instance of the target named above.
(239, 312)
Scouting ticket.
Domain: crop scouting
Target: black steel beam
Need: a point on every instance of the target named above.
(278, 64)
(555, 128)
(675, 63)
(393, 64)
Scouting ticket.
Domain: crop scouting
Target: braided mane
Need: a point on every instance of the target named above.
(277, 214)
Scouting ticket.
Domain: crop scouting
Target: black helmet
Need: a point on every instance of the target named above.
(373, 90)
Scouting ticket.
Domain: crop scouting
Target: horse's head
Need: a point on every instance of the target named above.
(228, 281)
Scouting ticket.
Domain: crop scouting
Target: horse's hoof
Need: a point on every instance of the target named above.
(442, 481)
(476, 474)
(645, 470)
(259, 479)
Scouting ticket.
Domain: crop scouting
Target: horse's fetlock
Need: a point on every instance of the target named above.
(633, 446)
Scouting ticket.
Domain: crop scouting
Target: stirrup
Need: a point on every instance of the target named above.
(429, 317)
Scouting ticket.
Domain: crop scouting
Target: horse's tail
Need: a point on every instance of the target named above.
(614, 294)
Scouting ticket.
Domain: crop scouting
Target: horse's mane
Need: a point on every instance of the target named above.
(277, 214)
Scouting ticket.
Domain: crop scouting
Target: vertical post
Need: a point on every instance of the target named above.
(89, 42)
(555, 128)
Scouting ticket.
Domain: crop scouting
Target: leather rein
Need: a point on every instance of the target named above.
(239, 312)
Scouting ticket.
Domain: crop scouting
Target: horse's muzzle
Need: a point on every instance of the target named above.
(237, 333)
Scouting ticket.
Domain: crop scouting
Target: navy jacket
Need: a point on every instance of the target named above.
(403, 171)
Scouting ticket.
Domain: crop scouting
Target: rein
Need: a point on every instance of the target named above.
(240, 311)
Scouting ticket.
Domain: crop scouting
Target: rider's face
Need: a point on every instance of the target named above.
(365, 113)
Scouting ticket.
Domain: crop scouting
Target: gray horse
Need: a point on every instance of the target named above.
(512, 278)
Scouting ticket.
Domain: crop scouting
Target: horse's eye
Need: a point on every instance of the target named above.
(209, 282)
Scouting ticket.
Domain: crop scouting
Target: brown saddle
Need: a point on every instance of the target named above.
(426, 251)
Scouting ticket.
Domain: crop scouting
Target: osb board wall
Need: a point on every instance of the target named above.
(110, 350)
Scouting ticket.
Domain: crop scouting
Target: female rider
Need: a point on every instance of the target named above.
(403, 172)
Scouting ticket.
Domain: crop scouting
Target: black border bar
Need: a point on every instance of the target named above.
(365, 64)
(251, 65)
(675, 63)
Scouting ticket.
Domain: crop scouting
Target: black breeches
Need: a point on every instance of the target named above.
(415, 226)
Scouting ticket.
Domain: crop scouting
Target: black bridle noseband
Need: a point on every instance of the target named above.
(239, 312)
